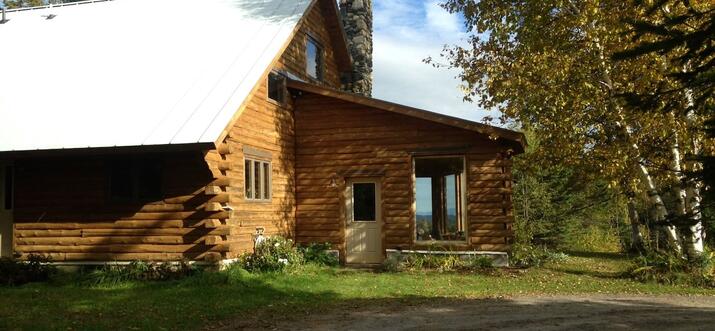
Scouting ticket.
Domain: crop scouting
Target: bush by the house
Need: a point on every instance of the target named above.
(109, 275)
(439, 262)
(526, 256)
(15, 272)
(320, 254)
(272, 254)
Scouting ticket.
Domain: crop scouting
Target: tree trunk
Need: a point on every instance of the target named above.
(637, 244)
(660, 213)
(692, 190)
(685, 232)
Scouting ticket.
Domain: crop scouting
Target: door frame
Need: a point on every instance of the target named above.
(4, 166)
(347, 211)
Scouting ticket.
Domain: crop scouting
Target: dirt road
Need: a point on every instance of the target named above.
(606, 312)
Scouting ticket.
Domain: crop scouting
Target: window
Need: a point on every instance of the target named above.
(277, 87)
(257, 175)
(315, 61)
(135, 180)
(7, 190)
(364, 202)
(439, 197)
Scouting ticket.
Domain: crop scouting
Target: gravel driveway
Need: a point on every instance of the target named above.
(602, 312)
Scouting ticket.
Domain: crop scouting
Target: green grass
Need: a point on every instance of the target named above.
(198, 301)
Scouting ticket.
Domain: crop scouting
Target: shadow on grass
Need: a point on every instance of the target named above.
(605, 265)
(616, 256)
(307, 301)
(176, 305)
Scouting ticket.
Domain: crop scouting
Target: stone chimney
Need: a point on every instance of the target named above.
(357, 20)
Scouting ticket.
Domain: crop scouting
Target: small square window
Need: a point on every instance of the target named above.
(364, 201)
(277, 87)
(257, 175)
(315, 59)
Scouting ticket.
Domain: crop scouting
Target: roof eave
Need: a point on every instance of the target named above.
(515, 139)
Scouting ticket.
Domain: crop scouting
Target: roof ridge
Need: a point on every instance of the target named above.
(66, 4)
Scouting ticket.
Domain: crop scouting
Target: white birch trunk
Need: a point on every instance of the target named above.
(636, 235)
(656, 202)
(686, 234)
(692, 190)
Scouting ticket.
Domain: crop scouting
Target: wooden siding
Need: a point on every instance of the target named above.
(293, 60)
(336, 139)
(268, 126)
(63, 209)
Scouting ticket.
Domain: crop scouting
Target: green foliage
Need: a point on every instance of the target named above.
(439, 262)
(10, 4)
(112, 274)
(213, 299)
(273, 254)
(674, 270)
(36, 269)
(564, 207)
(320, 254)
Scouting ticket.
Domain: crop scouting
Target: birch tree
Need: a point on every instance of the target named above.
(548, 64)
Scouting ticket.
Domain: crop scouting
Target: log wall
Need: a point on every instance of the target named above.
(63, 209)
(293, 60)
(337, 139)
(268, 127)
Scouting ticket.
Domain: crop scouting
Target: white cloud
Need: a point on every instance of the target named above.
(406, 32)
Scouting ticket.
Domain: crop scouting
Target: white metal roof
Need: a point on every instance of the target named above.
(134, 72)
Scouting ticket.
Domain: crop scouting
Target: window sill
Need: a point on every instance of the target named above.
(258, 201)
(441, 242)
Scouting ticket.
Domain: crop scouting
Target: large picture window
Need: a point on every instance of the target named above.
(257, 176)
(439, 197)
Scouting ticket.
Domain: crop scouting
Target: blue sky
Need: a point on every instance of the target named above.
(406, 32)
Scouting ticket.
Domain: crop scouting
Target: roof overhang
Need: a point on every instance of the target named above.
(174, 148)
(514, 139)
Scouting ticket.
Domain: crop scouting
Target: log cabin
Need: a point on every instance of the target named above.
(164, 130)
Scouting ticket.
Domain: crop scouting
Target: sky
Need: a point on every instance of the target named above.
(405, 33)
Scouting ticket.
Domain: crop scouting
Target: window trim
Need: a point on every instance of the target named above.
(266, 183)
(284, 88)
(464, 199)
(8, 195)
(320, 58)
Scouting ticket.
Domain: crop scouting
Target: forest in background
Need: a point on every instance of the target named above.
(617, 100)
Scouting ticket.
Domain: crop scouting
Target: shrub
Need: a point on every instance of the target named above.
(481, 262)
(671, 269)
(36, 269)
(110, 275)
(273, 254)
(442, 263)
(525, 256)
(319, 253)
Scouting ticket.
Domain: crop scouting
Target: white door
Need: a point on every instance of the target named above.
(364, 222)
(6, 202)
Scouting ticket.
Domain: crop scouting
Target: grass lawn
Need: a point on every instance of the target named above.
(202, 300)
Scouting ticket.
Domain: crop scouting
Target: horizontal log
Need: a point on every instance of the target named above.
(117, 248)
(127, 240)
